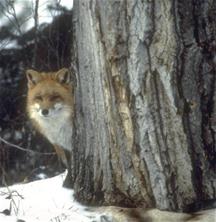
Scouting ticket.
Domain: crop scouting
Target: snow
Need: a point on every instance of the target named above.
(46, 200)
(43, 200)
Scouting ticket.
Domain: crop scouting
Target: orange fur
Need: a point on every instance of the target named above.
(50, 106)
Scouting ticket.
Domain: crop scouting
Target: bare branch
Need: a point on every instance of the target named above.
(23, 149)
(11, 12)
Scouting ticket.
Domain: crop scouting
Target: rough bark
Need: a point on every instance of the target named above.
(145, 110)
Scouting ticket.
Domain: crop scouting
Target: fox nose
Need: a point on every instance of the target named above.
(45, 112)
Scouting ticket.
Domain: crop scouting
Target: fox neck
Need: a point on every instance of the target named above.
(58, 131)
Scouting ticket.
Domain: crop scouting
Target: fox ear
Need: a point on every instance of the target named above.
(64, 76)
(33, 77)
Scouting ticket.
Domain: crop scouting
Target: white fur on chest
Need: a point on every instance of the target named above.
(57, 126)
(57, 130)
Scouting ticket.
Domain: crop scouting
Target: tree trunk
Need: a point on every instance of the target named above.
(145, 112)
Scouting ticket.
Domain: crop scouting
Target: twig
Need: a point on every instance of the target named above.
(10, 193)
(23, 149)
(9, 5)
(13, 14)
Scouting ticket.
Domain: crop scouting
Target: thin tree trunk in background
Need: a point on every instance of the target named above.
(36, 33)
(145, 110)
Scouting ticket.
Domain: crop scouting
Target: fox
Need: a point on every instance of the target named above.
(50, 107)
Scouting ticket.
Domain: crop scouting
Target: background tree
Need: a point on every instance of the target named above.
(145, 108)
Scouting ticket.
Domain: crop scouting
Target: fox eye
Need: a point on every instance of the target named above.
(55, 97)
(38, 98)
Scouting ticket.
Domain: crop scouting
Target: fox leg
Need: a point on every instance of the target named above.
(61, 154)
(65, 157)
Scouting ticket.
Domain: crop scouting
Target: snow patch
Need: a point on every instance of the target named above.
(43, 200)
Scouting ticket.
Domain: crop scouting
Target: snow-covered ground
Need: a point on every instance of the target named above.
(46, 200)
(42, 200)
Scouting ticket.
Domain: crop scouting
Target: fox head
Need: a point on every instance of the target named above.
(50, 95)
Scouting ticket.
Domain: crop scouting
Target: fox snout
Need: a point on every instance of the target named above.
(44, 111)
